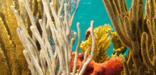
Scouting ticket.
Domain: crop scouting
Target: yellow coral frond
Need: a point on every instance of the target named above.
(103, 42)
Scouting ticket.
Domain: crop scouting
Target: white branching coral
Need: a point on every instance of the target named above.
(48, 49)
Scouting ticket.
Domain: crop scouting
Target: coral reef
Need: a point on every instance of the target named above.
(44, 30)
(137, 30)
(48, 48)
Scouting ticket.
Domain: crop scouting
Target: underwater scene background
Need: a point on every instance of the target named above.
(37, 37)
(93, 10)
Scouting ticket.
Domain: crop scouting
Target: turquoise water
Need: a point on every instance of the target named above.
(92, 10)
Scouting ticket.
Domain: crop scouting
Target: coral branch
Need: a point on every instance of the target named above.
(137, 31)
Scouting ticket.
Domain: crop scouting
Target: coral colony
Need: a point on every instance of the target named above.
(46, 59)
(136, 29)
(36, 39)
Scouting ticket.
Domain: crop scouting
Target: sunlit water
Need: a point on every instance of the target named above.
(93, 10)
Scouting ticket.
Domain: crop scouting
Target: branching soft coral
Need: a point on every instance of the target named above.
(137, 30)
(104, 36)
(103, 42)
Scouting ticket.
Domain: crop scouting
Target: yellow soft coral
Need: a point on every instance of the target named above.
(103, 35)
(103, 42)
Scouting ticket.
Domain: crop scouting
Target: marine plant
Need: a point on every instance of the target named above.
(137, 30)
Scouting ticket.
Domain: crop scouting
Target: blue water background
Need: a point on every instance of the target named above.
(93, 10)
